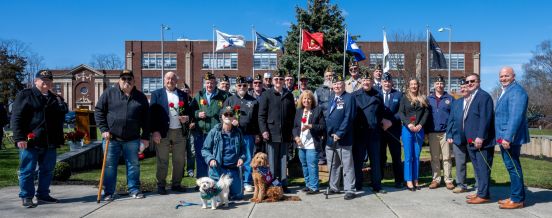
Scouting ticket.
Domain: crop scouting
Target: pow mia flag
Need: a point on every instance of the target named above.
(438, 60)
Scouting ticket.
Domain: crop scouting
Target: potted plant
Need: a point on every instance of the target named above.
(74, 139)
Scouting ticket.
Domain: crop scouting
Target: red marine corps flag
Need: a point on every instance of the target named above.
(312, 41)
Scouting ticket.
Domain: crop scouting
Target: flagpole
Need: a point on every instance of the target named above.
(345, 33)
(299, 49)
(427, 59)
(213, 54)
(254, 42)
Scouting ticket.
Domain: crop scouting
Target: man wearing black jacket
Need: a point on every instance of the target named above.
(276, 113)
(170, 114)
(246, 109)
(37, 123)
(121, 112)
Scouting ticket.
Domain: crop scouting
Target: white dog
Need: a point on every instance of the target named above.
(211, 190)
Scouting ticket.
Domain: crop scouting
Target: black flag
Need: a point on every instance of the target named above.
(438, 61)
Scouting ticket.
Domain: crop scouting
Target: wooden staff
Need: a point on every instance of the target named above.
(103, 170)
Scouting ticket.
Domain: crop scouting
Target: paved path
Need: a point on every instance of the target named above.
(79, 201)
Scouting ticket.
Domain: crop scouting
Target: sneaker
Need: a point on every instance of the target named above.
(28, 203)
(178, 188)
(349, 196)
(109, 197)
(249, 188)
(161, 190)
(190, 173)
(47, 199)
(459, 189)
(137, 195)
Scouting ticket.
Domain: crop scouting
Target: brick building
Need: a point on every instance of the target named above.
(190, 59)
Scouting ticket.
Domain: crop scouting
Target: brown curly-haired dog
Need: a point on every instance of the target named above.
(262, 189)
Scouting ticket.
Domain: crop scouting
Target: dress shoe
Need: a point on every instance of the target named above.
(399, 185)
(178, 188)
(333, 192)
(349, 196)
(459, 189)
(46, 199)
(379, 191)
(504, 201)
(510, 205)
(449, 185)
(433, 185)
(305, 189)
(477, 200)
(471, 196)
(286, 190)
(312, 192)
(412, 189)
(418, 187)
(28, 203)
(161, 190)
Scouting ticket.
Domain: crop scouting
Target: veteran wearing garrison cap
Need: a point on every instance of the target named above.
(353, 83)
(224, 84)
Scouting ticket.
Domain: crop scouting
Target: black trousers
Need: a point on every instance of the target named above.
(367, 144)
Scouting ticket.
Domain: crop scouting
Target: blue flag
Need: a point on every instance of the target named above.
(267, 44)
(353, 48)
(438, 61)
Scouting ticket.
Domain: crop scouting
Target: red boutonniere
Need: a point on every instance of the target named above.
(470, 141)
(30, 136)
(412, 119)
(237, 111)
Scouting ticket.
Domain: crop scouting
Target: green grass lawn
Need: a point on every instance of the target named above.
(540, 131)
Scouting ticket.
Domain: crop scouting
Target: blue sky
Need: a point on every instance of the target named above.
(69, 32)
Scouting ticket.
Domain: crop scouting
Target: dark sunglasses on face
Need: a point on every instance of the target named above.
(228, 114)
(277, 79)
(126, 78)
(471, 81)
(241, 85)
(257, 82)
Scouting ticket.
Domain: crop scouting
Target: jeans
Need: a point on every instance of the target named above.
(412, 143)
(236, 188)
(130, 154)
(249, 151)
(511, 161)
(201, 166)
(28, 159)
(309, 163)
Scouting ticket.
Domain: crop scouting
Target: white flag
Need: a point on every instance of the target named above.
(226, 40)
(385, 53)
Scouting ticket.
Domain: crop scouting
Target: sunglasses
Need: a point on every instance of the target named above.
(257, 82)
(228, 114)
(471, 81)
(241, 85)
(127, 78)
(277, 79)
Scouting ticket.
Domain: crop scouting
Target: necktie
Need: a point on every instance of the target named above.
(333, 105)
(466, 108)
(386, 99)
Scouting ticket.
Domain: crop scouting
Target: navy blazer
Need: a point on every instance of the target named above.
(392, 112)
(479, 122)
(159, 109)
(454, 123)
(339, 121)
(318, 125)
(369, 107)
(511, 115)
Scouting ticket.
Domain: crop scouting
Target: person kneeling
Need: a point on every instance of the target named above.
(224, 152)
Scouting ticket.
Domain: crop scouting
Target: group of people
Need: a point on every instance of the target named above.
(344, 123)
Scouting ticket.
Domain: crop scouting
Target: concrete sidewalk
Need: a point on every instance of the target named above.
(79, 201)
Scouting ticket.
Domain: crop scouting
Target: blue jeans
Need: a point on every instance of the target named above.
(236, 188)
(28, 159)
(412, 143)
(130, 154)
(249, 150)
(201, 167)
(309, 163)
(511, 160)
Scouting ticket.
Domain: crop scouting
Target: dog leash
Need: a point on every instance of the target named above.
(184, 204)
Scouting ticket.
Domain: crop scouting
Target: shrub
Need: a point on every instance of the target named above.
(62, 171)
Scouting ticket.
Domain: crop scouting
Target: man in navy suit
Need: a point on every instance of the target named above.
(367, 132)
(170, 114)
(480, 134)
(339, 124)
(512, 132)
(391, 136)
(455, 136)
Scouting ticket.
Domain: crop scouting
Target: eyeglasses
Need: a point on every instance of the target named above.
(471, 81)
(127, 78)
(241, 85)
(290, 79)
(277, 78)
(257, 82)
(228, 114)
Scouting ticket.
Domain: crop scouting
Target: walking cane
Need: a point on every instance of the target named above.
(103, 171)
(331, 166)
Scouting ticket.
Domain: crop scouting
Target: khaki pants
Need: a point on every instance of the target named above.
(440, 149)
(177, 143)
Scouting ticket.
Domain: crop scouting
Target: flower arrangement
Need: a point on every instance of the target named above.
(180, 109)
(75, 136)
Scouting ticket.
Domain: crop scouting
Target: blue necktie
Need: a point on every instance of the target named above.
(334, 104)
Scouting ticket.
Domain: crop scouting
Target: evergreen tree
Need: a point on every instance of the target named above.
(319, 16)
(11, 75)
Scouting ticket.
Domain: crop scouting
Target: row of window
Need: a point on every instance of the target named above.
(269, 61)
